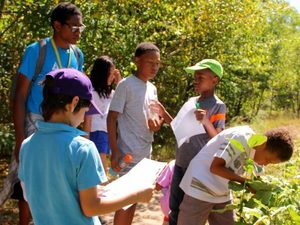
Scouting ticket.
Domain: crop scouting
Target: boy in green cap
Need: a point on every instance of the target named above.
(210, 112)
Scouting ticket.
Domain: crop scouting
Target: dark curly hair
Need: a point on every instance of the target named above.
(280, 142)
(63, 11)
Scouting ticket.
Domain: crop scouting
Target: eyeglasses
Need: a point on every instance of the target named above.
(75, 29)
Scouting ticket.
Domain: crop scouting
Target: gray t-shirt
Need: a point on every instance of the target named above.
(215, 110)
(131, 101)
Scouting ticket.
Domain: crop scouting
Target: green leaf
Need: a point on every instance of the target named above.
(253, 212)
(260, 185)
(256, 140)
(235, 186)
(227, 208)
(237, 144)
(295, 215)
(264, 196)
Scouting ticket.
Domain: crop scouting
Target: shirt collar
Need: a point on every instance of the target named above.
(54, 127)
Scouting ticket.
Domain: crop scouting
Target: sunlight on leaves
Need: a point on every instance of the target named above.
(256, 140)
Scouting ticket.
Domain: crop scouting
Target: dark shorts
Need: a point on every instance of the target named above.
(18, 192)
(100, 138)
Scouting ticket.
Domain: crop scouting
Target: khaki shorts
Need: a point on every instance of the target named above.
(196, 212)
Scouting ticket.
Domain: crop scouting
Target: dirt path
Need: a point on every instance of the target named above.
(146, 214)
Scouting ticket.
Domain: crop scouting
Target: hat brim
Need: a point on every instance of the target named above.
(93, 109)
(192, 69)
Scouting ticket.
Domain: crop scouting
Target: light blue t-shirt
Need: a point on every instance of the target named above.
(27, 68)
(55, 164)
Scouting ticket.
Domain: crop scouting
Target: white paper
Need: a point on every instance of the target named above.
(143, 175)
(185, 124)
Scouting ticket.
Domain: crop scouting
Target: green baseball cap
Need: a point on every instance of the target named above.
(211, 64)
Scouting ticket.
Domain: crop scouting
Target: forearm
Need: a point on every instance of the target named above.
(112, 132)
(92, 205)
(210, 129)
(105, 205)
(18, 119)
(19, 111)
(229, 175)
(217, 167)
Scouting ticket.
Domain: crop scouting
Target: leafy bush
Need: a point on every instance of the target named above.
(7, 140)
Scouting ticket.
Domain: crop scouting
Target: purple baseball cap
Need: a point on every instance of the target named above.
(72, 82)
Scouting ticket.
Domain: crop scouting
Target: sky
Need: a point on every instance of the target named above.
(295, 3)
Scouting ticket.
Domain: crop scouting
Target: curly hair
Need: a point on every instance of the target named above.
(280, 142)
(63, 11)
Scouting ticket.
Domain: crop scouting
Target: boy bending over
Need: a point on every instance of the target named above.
(221, 160)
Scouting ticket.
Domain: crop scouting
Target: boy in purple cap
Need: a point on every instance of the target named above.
(211, 113)
(59, 51)
(60, 169)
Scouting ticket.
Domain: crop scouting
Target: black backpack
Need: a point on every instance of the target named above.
(38, 67)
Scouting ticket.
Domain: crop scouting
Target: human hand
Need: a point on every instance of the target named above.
(158, 108)
(114, 162)
(117, 76)
(145, 195)
(201, 116)
(154, 124)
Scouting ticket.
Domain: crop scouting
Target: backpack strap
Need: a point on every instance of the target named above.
(40, 61)
(76, 53)
(38, 68)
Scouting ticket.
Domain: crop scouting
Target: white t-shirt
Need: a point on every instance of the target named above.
(99, 121)
(198, 182)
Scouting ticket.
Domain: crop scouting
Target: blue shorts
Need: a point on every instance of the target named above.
(100, 138)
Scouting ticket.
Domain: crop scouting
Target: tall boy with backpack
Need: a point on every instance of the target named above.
(40, 58)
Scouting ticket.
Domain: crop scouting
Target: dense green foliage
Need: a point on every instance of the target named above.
(257, 41)
(276, 201)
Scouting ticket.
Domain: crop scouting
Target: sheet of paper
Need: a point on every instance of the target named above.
(185, 125)
(143, 175)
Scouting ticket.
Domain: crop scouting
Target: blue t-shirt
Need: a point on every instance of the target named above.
(27, 68)
(55, 164)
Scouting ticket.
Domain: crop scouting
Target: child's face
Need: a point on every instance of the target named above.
(204, 81)
(148, 65)
(78, 117)
(264, 157)
(69, 31)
